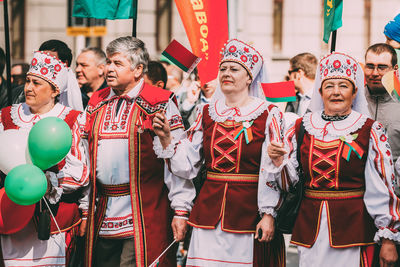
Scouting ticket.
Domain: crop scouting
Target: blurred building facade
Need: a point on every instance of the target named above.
(280, 29)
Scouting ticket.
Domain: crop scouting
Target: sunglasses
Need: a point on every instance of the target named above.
(293, 70)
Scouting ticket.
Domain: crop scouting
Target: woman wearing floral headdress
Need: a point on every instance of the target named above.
(349, 201)
(50, 89)
(230, 135)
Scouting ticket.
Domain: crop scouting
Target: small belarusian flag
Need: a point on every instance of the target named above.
(280, 91)
(181, 56)
(391, 82)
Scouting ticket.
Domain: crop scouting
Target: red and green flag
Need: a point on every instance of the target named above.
(105, 9)
(180, 56)
(333, 10)
(279, 92)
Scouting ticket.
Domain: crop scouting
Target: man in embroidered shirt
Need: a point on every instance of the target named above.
(136, 194)
(379, 59)
(302, 73)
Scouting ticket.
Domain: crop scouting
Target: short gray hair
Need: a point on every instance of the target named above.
(133, 48)
(100, 55)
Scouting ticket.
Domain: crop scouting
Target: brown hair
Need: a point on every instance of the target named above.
(380, 48)
(306, 62)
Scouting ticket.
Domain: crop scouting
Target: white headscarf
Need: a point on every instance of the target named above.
(55, 72)
(250, 59)
(339, 65)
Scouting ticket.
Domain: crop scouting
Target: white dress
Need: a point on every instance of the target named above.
(216, 247)
(379, 198)
(24, 248)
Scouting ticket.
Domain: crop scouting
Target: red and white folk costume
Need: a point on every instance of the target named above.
(69, 178)
(349, 199)
(136, 193)
(232, 142)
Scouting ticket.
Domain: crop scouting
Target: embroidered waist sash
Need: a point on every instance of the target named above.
(232, 177)
(113, 190)
(332, 195)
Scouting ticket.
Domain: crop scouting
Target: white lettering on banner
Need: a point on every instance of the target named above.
(201, 18)
(197, 4)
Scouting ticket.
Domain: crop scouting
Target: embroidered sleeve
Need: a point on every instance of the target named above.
(177, 131)
(268, 189)
(181, 193)
(75, 173)
(380, 199)
(183, 154)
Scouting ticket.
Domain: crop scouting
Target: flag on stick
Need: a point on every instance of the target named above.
(181, 56)
(391, 82)
(279, 92)
(105, 9)
(333, 10)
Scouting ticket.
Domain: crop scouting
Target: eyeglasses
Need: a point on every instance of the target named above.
(381, 68)
(293, 70)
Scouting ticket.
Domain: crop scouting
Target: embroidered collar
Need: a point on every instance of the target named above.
(133, 93)
(319, 128)
(333, 118)
(23, 117)
(220, 112)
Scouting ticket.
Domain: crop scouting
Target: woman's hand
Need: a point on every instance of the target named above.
(388, 255)
(161, 129)
(267, 227)
(276, 151)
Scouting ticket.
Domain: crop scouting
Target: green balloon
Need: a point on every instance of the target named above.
(49, 141)
(25, 184)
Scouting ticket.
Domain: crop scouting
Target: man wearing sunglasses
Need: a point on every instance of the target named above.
(302, 72)
(379, 59)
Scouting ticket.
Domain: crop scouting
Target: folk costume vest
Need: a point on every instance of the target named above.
(334, 175)
(229, 193)
(151, 212)
(67, 214)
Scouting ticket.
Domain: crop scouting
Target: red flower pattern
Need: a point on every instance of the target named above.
(348, 61)
(355, 67)
(232, 49)
(34, 62)
(47, 60)
(246, 50)
(255, 58)
(348, 72)
(336, 64)
(326, 72)
(57, 67)
(383, 138)
(44, 71)
(243, 58)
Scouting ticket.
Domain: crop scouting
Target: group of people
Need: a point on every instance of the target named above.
(127, 185)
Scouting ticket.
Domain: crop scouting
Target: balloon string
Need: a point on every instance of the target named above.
(52, 215)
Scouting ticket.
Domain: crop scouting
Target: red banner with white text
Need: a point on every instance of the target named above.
(206, 25)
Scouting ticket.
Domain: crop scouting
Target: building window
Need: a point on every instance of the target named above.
(277, 25)
(17, 25)
(163, 23)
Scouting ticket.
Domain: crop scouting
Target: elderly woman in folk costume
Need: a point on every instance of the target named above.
(349, 201)
(50, 89)
(231, 135)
